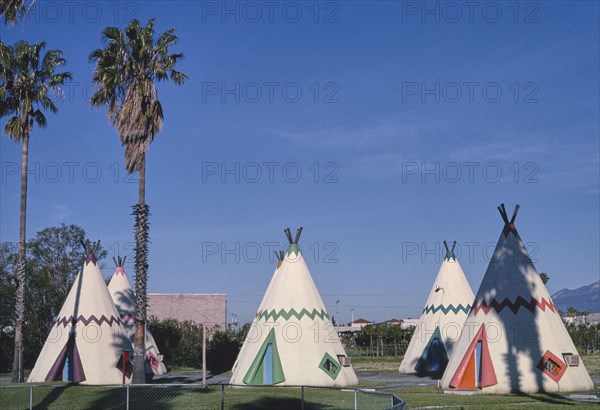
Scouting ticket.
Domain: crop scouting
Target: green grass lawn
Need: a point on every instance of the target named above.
(185, 397)
(61, 396)
(427, 396)
(419, 397)
(592, 363)
(391, 364)
(376, 364)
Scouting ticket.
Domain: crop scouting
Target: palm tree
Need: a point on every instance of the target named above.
(126, 70)
(27, 83)
(11, 9)
(572, 311)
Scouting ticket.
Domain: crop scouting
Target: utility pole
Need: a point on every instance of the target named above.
(203, 353)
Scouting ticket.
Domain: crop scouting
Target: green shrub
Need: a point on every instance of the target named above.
(180, 343)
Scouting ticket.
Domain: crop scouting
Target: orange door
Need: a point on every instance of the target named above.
(469, 379)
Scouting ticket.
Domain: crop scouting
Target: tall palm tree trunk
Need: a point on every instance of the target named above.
(17, 373)
(141, 212)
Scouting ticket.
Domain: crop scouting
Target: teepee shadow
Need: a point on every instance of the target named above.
(53, 396)
(549, 398)
(183, 379)
(278, 404)
(167, 397)
(122, 298)
(522, 333)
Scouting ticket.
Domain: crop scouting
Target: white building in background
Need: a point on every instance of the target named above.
(589, 319)
(593, 318)
(409, 322)
(360, 323)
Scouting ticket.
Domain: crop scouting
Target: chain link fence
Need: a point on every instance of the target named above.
(193, 396)
(378, 350)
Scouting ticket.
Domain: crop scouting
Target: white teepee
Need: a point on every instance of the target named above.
(292, 340)
(87, 342)
(280, 257)
(441, 322)
(514, 339)
(122, 294)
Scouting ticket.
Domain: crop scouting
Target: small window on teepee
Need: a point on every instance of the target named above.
(552, 366)
(330, 366)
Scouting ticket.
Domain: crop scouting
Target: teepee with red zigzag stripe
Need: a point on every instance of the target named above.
(87, 341)
(123, 296)
(292, 340)
(514, 340)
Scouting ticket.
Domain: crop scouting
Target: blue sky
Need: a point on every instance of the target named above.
(409, 126)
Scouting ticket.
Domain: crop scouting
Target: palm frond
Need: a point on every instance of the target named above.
(125, 71)
(39, 118)
(11, 10)
(14, 129)
(28, 81)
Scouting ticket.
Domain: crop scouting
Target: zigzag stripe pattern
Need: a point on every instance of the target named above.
(519, 303)
(86, 321)
(287, 315)
(446, 309)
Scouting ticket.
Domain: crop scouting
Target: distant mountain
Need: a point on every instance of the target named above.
(585, 298)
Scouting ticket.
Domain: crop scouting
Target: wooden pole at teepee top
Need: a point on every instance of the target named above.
(503, 213)
(514, 215)
(288, 234)
(298, 233)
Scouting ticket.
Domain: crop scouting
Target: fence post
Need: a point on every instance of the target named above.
(222, 397)
(127, 398)
(355, 399)
(302, 396)
(31, 397)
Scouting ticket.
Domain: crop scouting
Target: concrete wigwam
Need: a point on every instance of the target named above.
(292, 340)
(87, 341)
(514, 340)
(441, 322)
(123, 297)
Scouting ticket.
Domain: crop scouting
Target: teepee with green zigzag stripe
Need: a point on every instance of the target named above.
(441, 321)
(292, 340)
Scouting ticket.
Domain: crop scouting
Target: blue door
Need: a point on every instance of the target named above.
(436, 356)
(478, 363)
(268, 365)
(68, 367)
